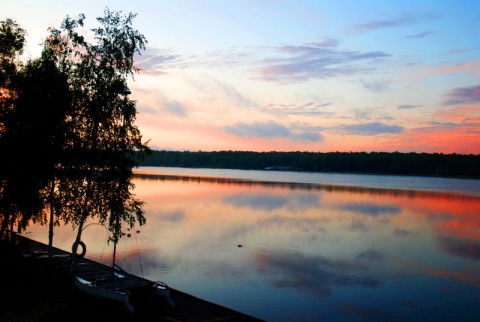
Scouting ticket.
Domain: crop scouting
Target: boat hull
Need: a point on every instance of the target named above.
(163, 290)
(97, 290)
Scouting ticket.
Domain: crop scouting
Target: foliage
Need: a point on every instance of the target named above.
(12, 41)
(13, 200)
(65, 107)
(34, 127)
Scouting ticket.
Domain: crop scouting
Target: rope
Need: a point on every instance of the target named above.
(105, 238)
(138, 252)
(125, 249)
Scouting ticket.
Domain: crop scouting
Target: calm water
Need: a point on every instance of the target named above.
(313, 246)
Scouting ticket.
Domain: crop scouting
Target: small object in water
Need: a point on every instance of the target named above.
(240, 245)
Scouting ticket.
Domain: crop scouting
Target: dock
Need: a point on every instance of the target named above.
(36, 287)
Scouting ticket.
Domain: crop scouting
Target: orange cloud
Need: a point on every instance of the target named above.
(460, 114)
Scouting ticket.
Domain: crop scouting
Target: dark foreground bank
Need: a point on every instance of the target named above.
(35, 288)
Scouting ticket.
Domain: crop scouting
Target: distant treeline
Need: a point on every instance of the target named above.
(424, 164)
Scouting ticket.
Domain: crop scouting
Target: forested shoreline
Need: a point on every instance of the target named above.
(396, 163)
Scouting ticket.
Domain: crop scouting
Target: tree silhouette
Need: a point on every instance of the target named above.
(17, 191)
(101, 122)
(68, 136)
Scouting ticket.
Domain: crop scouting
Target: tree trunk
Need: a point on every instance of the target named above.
(50, 224)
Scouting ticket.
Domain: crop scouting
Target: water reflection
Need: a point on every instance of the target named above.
(460, 247)
(370, 209)
(308, 251)
(315, 274)
(304, 186)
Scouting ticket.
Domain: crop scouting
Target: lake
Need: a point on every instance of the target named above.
(286, 246)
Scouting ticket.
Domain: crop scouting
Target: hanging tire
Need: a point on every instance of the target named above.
(84, 249)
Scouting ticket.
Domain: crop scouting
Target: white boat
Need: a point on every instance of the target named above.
(114, 288)
(120, 286)
(159, 288)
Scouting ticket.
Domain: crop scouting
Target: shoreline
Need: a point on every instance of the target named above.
(36, 288)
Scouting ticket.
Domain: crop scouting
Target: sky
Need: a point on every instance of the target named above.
(295, 75)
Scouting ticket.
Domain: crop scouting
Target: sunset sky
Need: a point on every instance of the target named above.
(278, 75)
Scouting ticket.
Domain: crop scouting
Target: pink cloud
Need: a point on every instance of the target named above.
(468, 67)
(433, 139)
(431, 71)
(462, 95)
(461, 114)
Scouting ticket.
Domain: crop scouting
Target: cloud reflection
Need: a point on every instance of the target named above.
(271, 202)
(174, 216)
(371, 255)
(370, 209)
(358, 225)
(306, 226)
(460, 247)
(264, 201)
(402, 232)
(315, 274)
